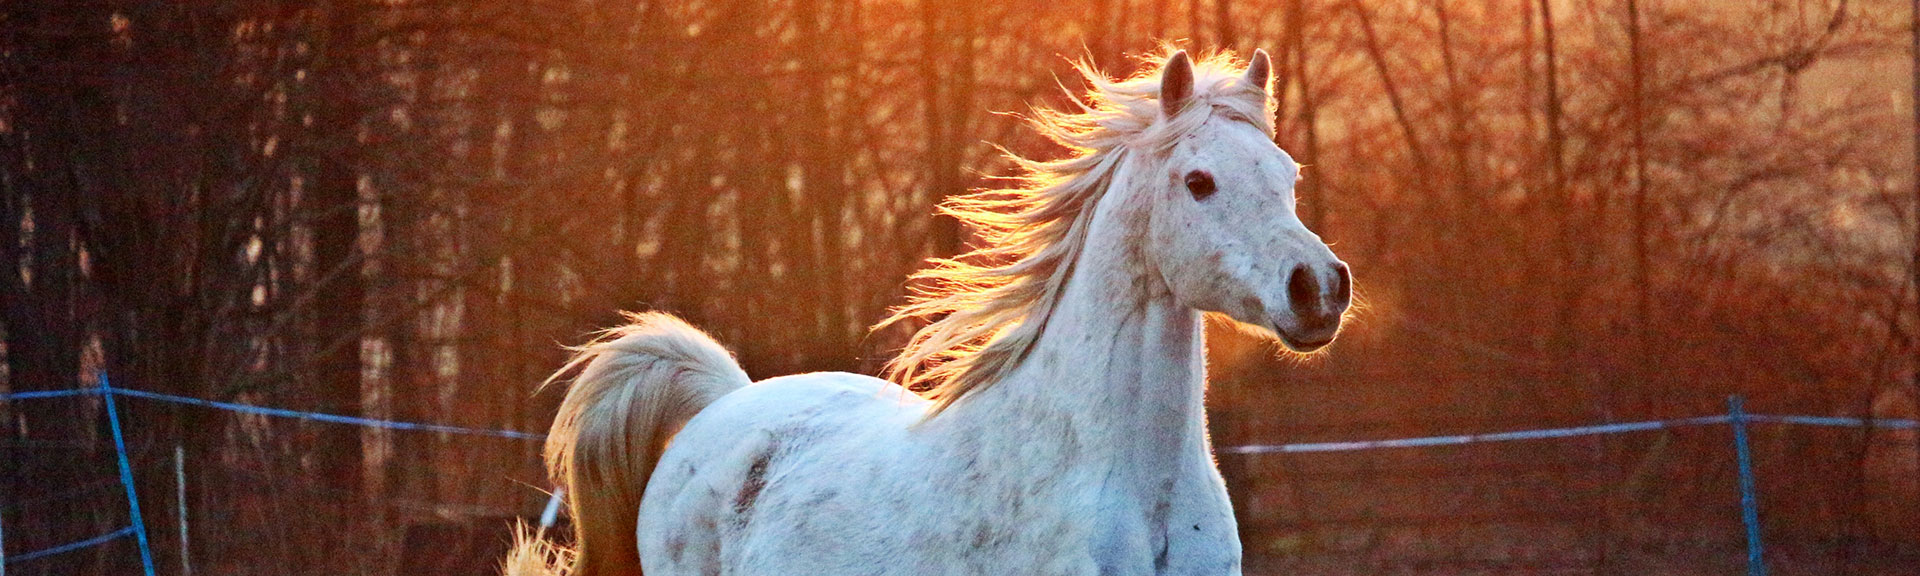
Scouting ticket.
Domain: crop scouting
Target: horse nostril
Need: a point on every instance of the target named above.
(1342, 284)
(1303, 292)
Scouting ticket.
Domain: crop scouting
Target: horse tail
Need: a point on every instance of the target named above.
(637, 385)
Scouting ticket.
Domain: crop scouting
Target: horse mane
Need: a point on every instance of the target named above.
(986, 308)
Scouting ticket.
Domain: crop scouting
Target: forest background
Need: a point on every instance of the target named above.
(1559, 212)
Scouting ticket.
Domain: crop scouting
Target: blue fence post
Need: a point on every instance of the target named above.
(126, 476)
(547, 517)
(1749, 502)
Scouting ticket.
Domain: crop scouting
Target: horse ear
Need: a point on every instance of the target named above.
(1260, 72)
(1176, 83)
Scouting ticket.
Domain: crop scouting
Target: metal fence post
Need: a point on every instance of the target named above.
(547, 517)
(1749, 502)
(126, 476)
(180, 500)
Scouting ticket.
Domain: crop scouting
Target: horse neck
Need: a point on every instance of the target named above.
(1118, 371)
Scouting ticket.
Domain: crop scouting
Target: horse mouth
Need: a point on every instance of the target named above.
(1302, 345)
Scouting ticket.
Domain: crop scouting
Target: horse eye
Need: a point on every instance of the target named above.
(1200, 184)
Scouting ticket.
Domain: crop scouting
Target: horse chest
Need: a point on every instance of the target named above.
(1160, 539)
(1133, 516)
(1198, 548)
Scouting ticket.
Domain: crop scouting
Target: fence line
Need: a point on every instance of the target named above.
(332, 418)
(1735, 417)
(138, 529)
(38, 394)
(277, 412)
(71, 546)
(1474, 438)
(1836, 421)
(1550, 433)
(1419, 442)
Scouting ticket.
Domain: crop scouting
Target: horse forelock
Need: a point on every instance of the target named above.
(986, 308)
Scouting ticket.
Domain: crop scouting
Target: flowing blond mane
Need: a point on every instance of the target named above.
(987, 307)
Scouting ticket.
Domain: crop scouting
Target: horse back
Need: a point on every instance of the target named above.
(773, 465)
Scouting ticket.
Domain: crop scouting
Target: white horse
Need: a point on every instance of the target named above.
(1066, 432)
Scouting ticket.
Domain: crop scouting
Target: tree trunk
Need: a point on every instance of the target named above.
(826, 190)
(340, 292)
(1193, 20)
(1642, 282)
(949, 97)
(1561, 204)
(1309, 120)
(40, 296)
(1914, 23)
(1223, 23)
(1400, 114)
